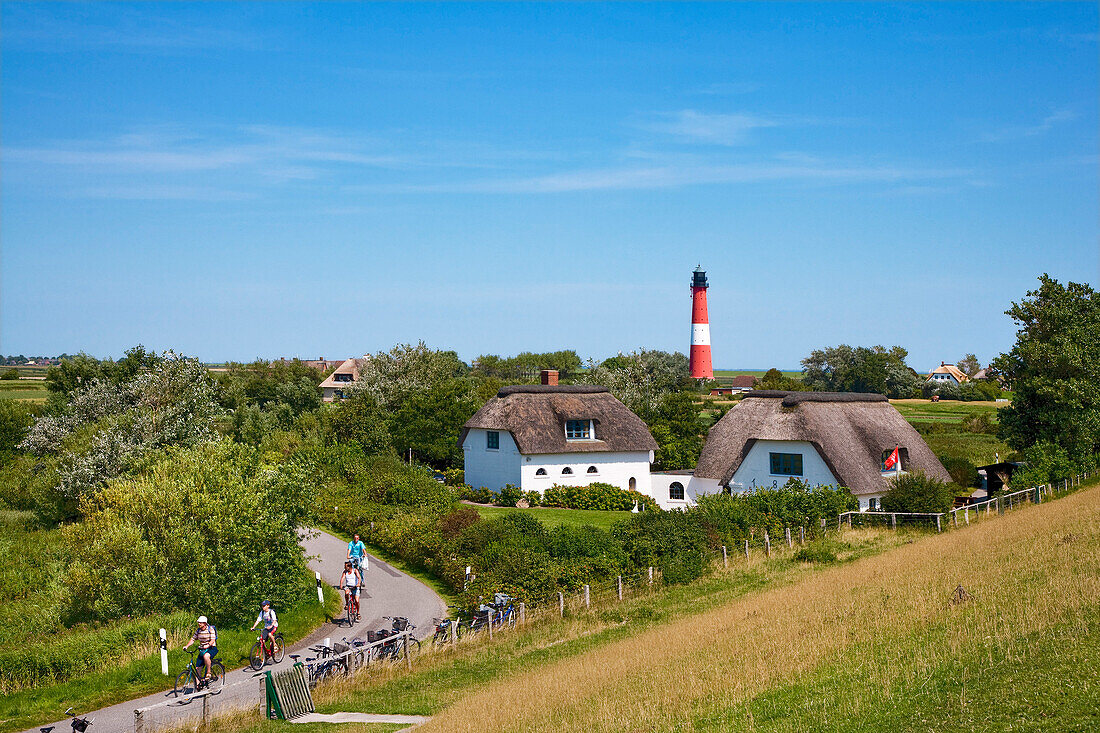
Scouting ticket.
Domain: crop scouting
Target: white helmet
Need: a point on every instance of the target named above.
(202, 620)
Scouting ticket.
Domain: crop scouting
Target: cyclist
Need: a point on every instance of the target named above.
(350, 581)
(271, 625)
(207, 638)
(357, 555)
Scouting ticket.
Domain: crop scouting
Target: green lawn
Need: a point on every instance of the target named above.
(947, 411)
(552, 516)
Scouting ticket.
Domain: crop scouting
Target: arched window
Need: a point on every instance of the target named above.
(567, 471)
(592, 469)
(676, 491)
(540, 472)
(633, 484)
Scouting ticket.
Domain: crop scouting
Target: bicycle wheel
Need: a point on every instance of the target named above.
(217, 677)
(256, 656)
(413, 646)
(186, 684)
(280, 652)
(510, 620)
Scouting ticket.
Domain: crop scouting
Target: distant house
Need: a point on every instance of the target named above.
(821, 438)
(339, 381)
(537, 436)
(743, 383)
(947, 374)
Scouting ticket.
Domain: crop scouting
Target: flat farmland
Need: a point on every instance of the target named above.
(946, 410)
(23, 389)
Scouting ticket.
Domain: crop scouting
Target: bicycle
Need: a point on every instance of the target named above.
(351, 604)
(323, 666)
(79, 724)
(261, 652)
(396, 646)
(442, 634)
(190, 680)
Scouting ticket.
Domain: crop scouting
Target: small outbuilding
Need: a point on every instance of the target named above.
(821, 438)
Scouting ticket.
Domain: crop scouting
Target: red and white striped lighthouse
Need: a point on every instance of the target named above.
(700, 327)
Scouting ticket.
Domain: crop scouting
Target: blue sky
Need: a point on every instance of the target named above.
(270, 179)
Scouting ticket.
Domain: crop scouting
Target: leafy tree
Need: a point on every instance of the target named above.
(969, 365)
(10, 374)
(862, 369)
(77, 372)
(773, 379)
(208, 529)
(1054, 370)
(106, 428)
(918, 492)
(15, 419)
(358, 421)
(675, 426)
(641, 379)
(391, 377)
(428, 422)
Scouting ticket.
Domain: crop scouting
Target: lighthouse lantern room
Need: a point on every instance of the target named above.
(700, 365)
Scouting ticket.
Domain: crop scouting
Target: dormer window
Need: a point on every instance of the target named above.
(341, 377)
(579, 430)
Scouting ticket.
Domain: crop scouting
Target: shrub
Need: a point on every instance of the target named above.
(508, 496)
(483, 495)
(533, 498)
(208, 530)
(1045, 463)
(12, 373)
(598, 495)
(455, 523)
(963, 472)
(918, 492)
(732, 517)
(817, 552)
(454, 476)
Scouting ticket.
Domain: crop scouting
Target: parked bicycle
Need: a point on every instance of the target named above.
(191, 682)
(79, 724)
(395, 648)
(329, 661)
(271, 650)
(501, 611)
(442, 634)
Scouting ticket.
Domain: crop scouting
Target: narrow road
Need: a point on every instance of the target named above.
(388, 592)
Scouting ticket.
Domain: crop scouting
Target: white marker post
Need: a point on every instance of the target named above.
(163, 652)
(320, 595)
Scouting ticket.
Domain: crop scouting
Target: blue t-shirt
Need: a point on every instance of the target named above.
(357, 549)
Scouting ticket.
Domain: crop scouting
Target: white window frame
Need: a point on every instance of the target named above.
(591, 430)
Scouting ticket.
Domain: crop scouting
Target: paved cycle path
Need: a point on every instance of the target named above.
(388, 592)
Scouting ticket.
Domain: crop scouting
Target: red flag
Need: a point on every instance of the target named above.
(892, 460)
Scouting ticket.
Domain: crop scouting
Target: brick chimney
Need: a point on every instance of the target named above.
(549, 377)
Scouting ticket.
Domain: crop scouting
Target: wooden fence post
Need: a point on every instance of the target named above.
(522, 613)
(823, 525)
(620, 584)
(955, 519)
(651, 575)
(205, 710)
(893, 521)
(787, 531)
(849, 520)
(454, 633)
(767, 545)
(725, 557)
(938, 528)
(490, 628)
(561, 604)
(802, 535)
(587, 597)
(966, 515)
(746, 549)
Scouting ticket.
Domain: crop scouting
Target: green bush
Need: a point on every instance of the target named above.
(731, 518)
(483, 495)
(533, 498)
(1045, 463)
(208, 530)
(508, 496)
(454, 476)
(658, 538)
(598, 495)
(12, 373)
(963, 472)
(918, 492)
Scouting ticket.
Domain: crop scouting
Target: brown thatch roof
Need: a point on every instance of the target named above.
(743, 381)
(350, 366)
(535, 416)
(951, 369)
(849, 430)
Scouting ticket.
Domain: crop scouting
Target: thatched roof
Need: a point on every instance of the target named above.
(743, 381)
(350, 366)
(951, 369)
(535, 416)
(849, 430)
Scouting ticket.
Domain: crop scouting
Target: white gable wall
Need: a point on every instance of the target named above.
(491, 468)
(694, 487)
(755, 470)
(615, 468)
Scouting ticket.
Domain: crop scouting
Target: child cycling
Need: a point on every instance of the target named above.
(271, 625)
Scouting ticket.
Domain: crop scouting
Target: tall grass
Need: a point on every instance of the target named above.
(890, 618)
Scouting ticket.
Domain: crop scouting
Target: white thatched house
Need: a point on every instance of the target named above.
(821, 438)
(573, 435)
(947, 374)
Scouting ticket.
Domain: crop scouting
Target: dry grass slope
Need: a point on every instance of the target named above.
(1030, 573)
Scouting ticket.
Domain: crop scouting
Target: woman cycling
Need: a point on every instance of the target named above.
(350, 581)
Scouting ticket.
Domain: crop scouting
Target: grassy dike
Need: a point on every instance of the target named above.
(871, 643)
(23, 708)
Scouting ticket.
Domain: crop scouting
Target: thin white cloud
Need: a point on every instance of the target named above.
(726, 89)
(1016, 132)
(690, 125)
(672, 176)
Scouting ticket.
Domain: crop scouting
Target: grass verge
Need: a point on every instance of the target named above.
(141, 676)
(554, 516)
